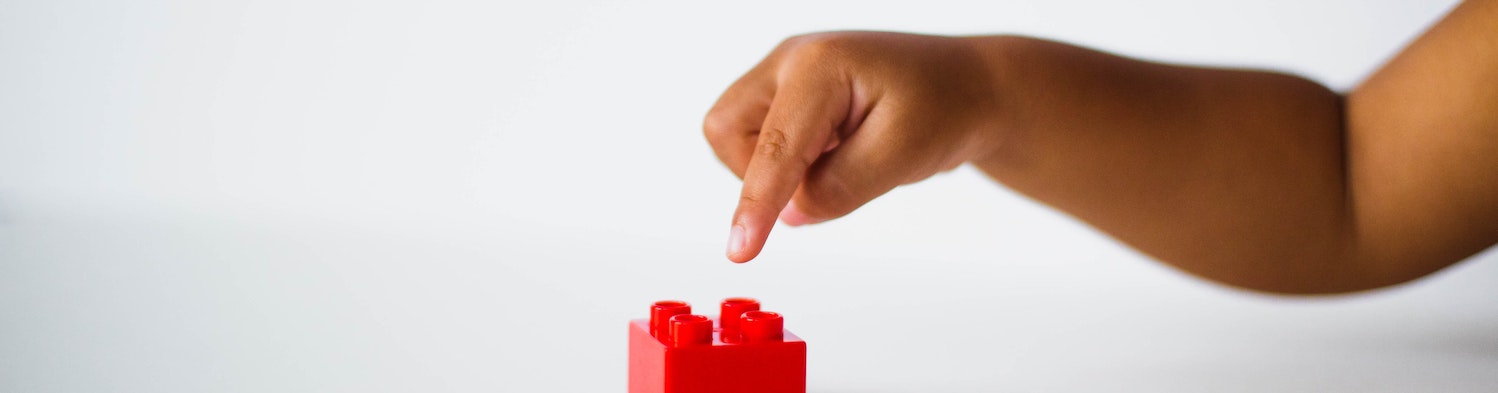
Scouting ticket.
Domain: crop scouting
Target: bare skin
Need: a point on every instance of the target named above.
(1254, 179)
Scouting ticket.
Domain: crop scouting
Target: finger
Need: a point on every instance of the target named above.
(798, 127)
(733, 122)
(875, 159)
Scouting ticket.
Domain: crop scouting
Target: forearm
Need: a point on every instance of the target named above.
(1236, 176)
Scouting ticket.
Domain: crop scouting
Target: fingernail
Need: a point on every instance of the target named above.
(793, 216)
(735, 240)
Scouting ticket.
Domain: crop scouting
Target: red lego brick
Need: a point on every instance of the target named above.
(749, 351)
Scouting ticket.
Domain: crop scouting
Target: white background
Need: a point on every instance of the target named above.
(313, 196)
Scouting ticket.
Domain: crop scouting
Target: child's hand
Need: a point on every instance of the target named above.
(829, 121)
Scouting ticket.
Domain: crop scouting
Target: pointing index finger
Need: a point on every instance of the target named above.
(802, 119)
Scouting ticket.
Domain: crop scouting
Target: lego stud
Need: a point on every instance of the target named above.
(688, 330)
(661, 313)
(732, 308)
(762, 326)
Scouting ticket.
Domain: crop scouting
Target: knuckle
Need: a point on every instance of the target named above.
(826, 198)
(822, 209)
(717, 124)
(772, 144)
(792, 41)
(749, 199)
(821, 49)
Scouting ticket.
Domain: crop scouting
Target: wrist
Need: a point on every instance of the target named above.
(1001, 116)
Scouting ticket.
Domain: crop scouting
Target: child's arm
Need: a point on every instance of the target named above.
(1255, 179)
